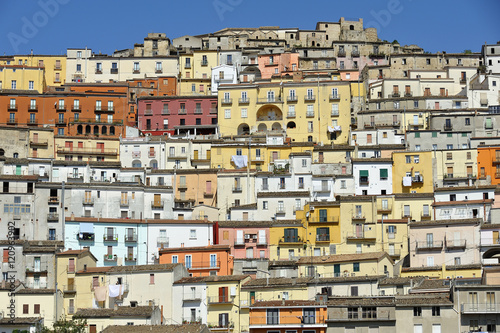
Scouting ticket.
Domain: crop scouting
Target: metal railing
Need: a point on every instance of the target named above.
(157, 204)
(429, 245)
(324, 219)
(323, 238)
(91, 151)
(480, 307)
(224, 299)
(110, 237)
(244, 100)
(110, 257)
(309, 98)
(41, 267)
(52, 217)
(190, 296)
(162, 241)
(130, 238)
(88, 201)
(287, 320)
(456, 243)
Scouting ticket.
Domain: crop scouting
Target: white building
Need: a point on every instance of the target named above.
(224, 74)
(372, 176)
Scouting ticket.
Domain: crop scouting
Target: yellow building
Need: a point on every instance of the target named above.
(412, 172)
(194, 86)
(306, 111)
(333, 154)
(68, 263)
(262, 155)
(321, 219)
(455, 165)
(375, 263)
(443, 272)
(87, 148)
(22, 78)
(195, 69)
(287, 240)
(41, 142)
(223, 300)
(54, 67)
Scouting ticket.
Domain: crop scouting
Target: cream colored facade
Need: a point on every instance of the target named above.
(234, 188)
(87, 148)
(454, 164)
(41, 143)
(54, 67)
(305, 111)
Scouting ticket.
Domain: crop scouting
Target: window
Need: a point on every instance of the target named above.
(36, 309)
(13, 84)
(192, 234)
(227, 113)
(417, 311)
(355, 267)
(436, 311)
(369, 312)
(244, 113)
(272, 316)
(188, 261)
(264, 205)
(408, 158)
(416, 159)
(25, 308)
(352, 313)
(354, 291)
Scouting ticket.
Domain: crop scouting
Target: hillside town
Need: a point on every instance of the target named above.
(252, 180)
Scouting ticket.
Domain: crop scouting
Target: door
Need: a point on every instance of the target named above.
(37, 264)
(262, 237)
(35, 137)
(430, 239)
(496, 237)
(391, 249)
(69, 145)
(18, 170)
(195, 157)
(239, 237)
(249, 252)
(252, 297)
(100, 146)
(359, 230)
(415, 119)
(209, 154)
(336, 270)
(71, 265)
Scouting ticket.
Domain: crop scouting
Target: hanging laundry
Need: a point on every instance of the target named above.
(100, 293)
(114, 290)
(240, 161)
(406, 181)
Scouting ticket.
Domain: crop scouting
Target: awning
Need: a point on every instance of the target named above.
(363, 173)
(87, 227)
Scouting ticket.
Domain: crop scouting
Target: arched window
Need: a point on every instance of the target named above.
(291, 124)
(111, 130)
(79, 129)
(104, 130)
(351, 27)
(87, 129)
(136, 164)
(96, 130)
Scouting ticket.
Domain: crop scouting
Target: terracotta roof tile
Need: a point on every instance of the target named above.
(122, 311)
(187, 328)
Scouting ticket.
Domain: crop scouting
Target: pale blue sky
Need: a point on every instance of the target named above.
(107, 25)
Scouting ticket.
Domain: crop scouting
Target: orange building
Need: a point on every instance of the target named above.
(488, 163)
(200, 261)
(98, 110)
(277, 64)
(287, 316)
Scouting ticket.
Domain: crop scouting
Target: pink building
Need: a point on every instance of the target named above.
(177, 115)
(278, 64)
(450, 242)
(247, 239)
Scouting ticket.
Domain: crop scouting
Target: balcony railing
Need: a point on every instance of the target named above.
(41, 267)
(396, 94)
(287, 320)
(322, 188)
(237, 189)
(480, 308)
(88, 201)
(124, 203)
(456, 244)
(269, 100)
(324, 219)
(52, 217)
(130, 258)
(162, 242)
(290, 114)
(323, 238)
(209, 264)
(33, 107)
(309, 98)
(12, 107)
(87, 151)
(291, 240)
(104, 109)
(110, 238)
(32, 122)
(113, 71)
(363, 235)
(157, 204)
(334, 97)
(110, 258)
(244, 100)
(341, 53)
(280, 210)
(384, 207)
(309, 114)
(429, 245)
(225, 299)
(291, 99)
(226, 101)
(36, 285)
(378, 315)
(96, 121)
(448, 127)
(53, 200)
(191, 296)
(130, 238)
(71, 288)
(12, 120)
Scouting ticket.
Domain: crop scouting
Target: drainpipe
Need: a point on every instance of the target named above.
(62, 211)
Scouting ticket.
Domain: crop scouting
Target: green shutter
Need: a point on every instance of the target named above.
(363, 173)
(417, 134)
(434, 134)
(384, 173)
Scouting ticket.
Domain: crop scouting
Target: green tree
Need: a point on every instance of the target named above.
(67, 326)
(467, 51)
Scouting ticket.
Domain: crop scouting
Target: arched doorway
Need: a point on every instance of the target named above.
(276, 127)
(291, 124)
(262, 128)
(243, 129)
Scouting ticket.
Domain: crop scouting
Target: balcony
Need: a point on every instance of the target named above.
(447, 127)
(309, 98)
(85, 237)
(295, 321)
(384, 208)
(417, 179)
(37, 268)
(151, 154)
(182, 111)
(324, 219)
(198, 111)
(12, 120)
(269, 100)
(334, 97)
(158, 71)
(425, 215)
(130, 259)
(322, 189)
(69, 289)
(53, 200)
(209, 264)
(358, 218)
(12, 107)
(309, 114)
(204, 62)
(224, 299)
(113, 71)
(396, 94)
(456, 244)
(408, 93)
(280, 210)
(157, 204)
(237, 189)
(136, 71)
(213, 111)
(87, 151)
(124, 203)
(291, 99)
(36, 285)
(476, 308)
(162, 242)
(110, 258)
(226, 101)
(104, 109)
(98, 71)
(110, 237)
(187, 65)
(191, 297)
(32, 122)
(429, 245)
(293, 240)
(244, 101)
(95, 121)
(395, 254)
(33, 108)
(88, 201)
(290, 114)
(40, 144)
(322, 238)
(361, 316)
(364, 235)
(61, 122)
(341, 53)
(52, 217)
(130, 238)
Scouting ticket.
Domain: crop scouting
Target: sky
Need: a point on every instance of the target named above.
(52, 26)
